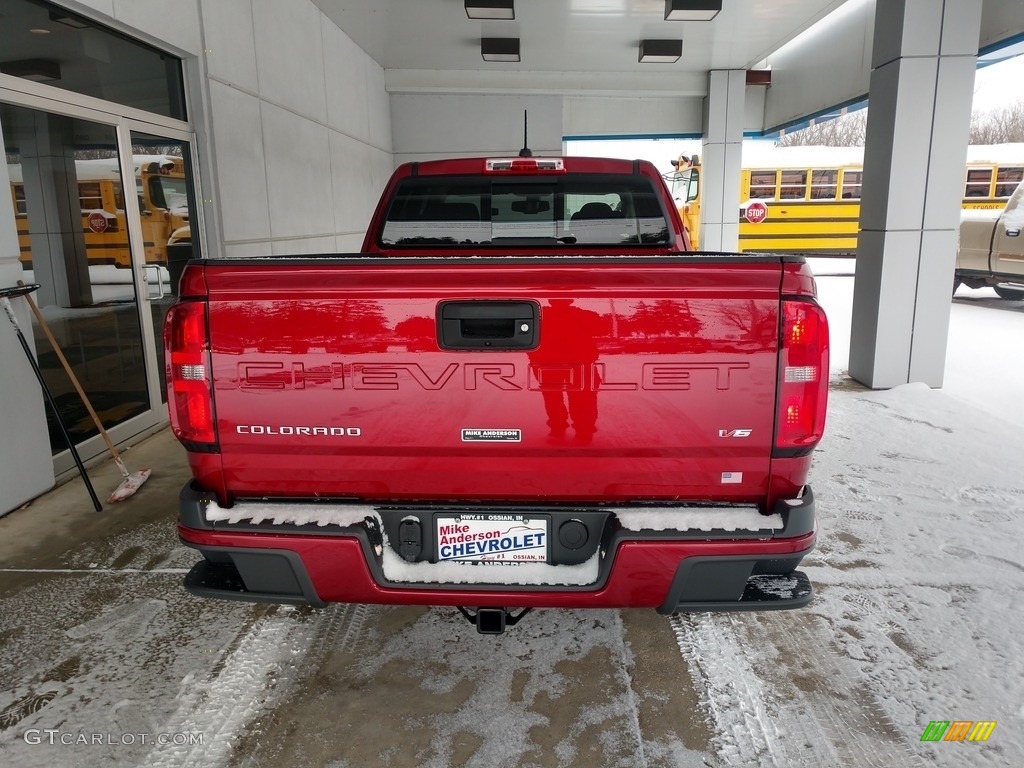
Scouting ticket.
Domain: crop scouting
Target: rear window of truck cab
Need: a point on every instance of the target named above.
(535, 211)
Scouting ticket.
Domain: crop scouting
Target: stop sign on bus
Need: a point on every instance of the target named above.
(97, 222)
(756, 212)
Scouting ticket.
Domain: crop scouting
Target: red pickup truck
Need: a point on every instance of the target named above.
(523, 392)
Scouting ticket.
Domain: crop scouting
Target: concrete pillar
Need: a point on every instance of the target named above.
(923, 62)
(26, 467)
(721, 157)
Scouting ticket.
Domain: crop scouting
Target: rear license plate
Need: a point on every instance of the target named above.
(492, 538)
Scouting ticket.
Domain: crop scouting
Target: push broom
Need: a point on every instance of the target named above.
(132, 480)
(6, 294)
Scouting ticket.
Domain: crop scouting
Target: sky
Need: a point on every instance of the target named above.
(999, 85)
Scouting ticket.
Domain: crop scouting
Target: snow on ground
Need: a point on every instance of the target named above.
(984, 367)
(919, 570)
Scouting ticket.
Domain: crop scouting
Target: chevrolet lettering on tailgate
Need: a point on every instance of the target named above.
(675, 375)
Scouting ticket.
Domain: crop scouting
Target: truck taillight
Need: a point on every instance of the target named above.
(803, 378)
(189, 396)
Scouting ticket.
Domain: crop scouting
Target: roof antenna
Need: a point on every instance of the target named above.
(525, 151)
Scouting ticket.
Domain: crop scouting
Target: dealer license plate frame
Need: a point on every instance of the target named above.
(480, 526)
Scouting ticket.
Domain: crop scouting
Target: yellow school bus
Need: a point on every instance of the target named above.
(807, 199)
(685, 184)
(161, 194)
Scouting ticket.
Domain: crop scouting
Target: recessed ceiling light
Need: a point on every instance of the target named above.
(660, 51)
(491, 9)
(69, 20)
(692, 10)
(499, 48)
(39, 31)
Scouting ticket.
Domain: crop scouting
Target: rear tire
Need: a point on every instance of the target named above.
(1011, 294)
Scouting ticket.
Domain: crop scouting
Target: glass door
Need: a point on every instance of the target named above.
(104, 223)
(73, 239)
(166, 204)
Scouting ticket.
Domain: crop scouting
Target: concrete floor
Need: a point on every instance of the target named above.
(105, 660)
(103, 654)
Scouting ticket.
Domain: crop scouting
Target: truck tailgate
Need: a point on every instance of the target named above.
(639, 379)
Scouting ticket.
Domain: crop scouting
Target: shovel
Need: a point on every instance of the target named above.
(132, 480)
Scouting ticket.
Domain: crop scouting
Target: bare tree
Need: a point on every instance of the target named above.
(847, 130)
(999, 126)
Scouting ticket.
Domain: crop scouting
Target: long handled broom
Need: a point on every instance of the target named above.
(132, 480)
(6, 294)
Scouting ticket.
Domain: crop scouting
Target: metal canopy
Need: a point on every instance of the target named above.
(568, 46)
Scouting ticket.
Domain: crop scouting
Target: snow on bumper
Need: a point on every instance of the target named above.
(285, 553)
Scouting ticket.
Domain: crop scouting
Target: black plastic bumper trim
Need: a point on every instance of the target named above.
(732, 583)
(272, 576)
(756, 598)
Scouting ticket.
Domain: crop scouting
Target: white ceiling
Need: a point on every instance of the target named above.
(566, 45)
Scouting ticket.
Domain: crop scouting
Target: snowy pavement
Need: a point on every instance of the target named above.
(918, 617)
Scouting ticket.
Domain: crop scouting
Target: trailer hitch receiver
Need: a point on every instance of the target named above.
(492, 621)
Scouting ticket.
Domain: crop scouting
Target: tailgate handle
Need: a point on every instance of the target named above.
(484, 324)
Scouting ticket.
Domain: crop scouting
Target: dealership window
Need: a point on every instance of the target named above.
(98, 154)
(45, 43)
(73, 242)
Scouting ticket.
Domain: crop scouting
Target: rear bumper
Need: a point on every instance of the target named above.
(667, 570)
